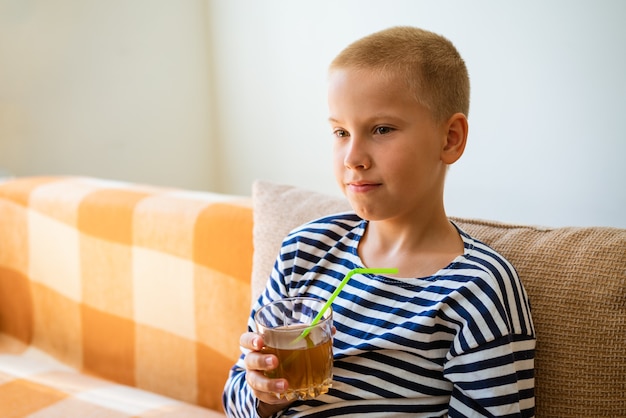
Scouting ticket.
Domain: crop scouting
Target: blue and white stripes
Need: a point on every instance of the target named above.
(458, 343)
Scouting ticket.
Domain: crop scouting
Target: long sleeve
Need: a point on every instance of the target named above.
(238, 399)
(495, 380)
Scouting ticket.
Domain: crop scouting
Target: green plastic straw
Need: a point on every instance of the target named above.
(338, 289)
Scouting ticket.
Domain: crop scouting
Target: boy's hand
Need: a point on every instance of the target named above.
(264, 388)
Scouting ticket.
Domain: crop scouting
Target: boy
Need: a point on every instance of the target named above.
(451, 334)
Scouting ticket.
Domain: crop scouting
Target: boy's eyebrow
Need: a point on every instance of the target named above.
(380, 116)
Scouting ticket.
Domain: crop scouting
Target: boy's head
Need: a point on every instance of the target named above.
(429, 64)
(397, 102)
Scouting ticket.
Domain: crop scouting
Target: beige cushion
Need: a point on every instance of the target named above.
(277, 209)
(575, 278)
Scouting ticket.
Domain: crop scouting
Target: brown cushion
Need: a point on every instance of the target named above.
(575, 278)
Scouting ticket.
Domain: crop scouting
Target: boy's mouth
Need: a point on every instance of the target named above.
(361, 186)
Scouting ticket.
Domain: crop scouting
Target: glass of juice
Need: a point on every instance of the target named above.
(306, 362)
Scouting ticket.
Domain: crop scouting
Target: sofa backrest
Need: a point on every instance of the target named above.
(145, 286)
(575, 279)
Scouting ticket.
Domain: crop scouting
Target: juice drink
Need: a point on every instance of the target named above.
(306, 366)
(306, 362)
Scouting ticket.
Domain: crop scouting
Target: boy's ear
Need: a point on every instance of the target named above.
(456, 138)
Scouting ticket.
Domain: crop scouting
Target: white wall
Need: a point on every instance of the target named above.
(212, 94)
(111, 88)
(548, 99)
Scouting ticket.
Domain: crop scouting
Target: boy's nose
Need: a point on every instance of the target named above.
(356, 156)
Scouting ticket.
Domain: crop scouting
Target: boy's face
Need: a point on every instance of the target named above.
(387, 149)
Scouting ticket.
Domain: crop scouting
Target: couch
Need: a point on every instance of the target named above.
(127, 300)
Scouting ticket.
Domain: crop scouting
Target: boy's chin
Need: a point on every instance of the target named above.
(366, 214)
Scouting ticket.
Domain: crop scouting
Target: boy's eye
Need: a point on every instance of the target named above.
(340, 133)
(382, 130)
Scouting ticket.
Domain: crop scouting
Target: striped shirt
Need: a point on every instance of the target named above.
(459, 343)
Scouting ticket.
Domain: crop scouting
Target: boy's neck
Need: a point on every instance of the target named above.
(417, 247)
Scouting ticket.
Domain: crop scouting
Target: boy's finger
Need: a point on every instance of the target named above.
(265, 387)
(257, 361)
(250, 341)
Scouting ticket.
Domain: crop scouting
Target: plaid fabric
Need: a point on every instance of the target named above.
(144, 289)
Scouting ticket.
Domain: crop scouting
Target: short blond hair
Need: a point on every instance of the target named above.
(429, 63)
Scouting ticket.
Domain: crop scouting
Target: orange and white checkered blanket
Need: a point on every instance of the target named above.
(119, 300)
